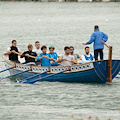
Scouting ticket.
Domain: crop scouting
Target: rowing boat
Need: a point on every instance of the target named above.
(92, 72)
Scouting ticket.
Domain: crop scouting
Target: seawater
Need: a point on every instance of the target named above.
(58, 24)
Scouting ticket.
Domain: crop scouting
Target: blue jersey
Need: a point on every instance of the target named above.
(90, 58)
(54, 55)
(45, 62)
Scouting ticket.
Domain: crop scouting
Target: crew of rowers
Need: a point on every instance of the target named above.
(40, 57)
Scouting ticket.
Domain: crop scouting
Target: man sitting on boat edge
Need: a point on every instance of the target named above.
(13, 52)
(87, 57)
(38, 51)
(54, 55)
(76, 56)
(29, 56)
(44, 57)
(67, 59)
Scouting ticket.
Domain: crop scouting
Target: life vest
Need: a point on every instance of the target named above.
(13, 56)
(90, 58)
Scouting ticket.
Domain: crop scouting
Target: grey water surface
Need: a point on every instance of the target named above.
(58, 24)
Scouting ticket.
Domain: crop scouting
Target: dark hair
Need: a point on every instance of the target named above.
(43, 47)
(96, 27)
(71, 47)
(86, 47)
(66, 47)
(37, 42)
(30, 45)
(14, 41)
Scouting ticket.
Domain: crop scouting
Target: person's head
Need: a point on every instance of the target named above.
(67, 50)
(44, 49)
(30, 47)
(87, 50)
(14, 43)
(71, 50)
(96, 27)
(37, 44)
(51, 49)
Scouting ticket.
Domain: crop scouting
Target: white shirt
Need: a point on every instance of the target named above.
(38, 51)
(17, 48)
(68, 57)
(84, 60)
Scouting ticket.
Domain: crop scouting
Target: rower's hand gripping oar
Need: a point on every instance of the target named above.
(16, 74)
(35, 80)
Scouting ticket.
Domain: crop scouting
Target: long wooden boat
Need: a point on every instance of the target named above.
(92, 72)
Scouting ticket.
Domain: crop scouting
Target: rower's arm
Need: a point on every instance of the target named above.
(60, 59)
(30, 56)
(74, 61)
(92, 38)
(8, 52)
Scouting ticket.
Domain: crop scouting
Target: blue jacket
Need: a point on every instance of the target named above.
(45, 62)
(54, 55)
(97, 37)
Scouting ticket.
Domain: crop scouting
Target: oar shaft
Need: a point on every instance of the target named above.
(35, 80)
(7, 69)
(16, 74)
(34, 76)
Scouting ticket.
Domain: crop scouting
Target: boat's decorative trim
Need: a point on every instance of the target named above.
(116, 69)
(114, 65)
(100, 70)
(22, 67)
(58, 69)
(39, 69)
(104, 67)
(82, 67)
(98, 74)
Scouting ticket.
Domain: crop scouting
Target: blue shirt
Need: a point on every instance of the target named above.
(90, 58)
(45, 62)
(97, 37)
(54, 55)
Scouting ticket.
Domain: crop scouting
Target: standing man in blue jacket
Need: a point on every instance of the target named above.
(99, 38)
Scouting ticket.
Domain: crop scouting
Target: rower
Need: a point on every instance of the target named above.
(67, 59)
(87, 57)
(29, 56)
(76, 56)
(44, 57)
(37, 48)
(54, 55)
(38, 51)
(13, 52)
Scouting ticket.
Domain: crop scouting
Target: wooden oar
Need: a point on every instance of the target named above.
(30, 77)
(7, 69)
(16, 74)
(35, 80)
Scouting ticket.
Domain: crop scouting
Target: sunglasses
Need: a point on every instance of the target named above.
(71, 49)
